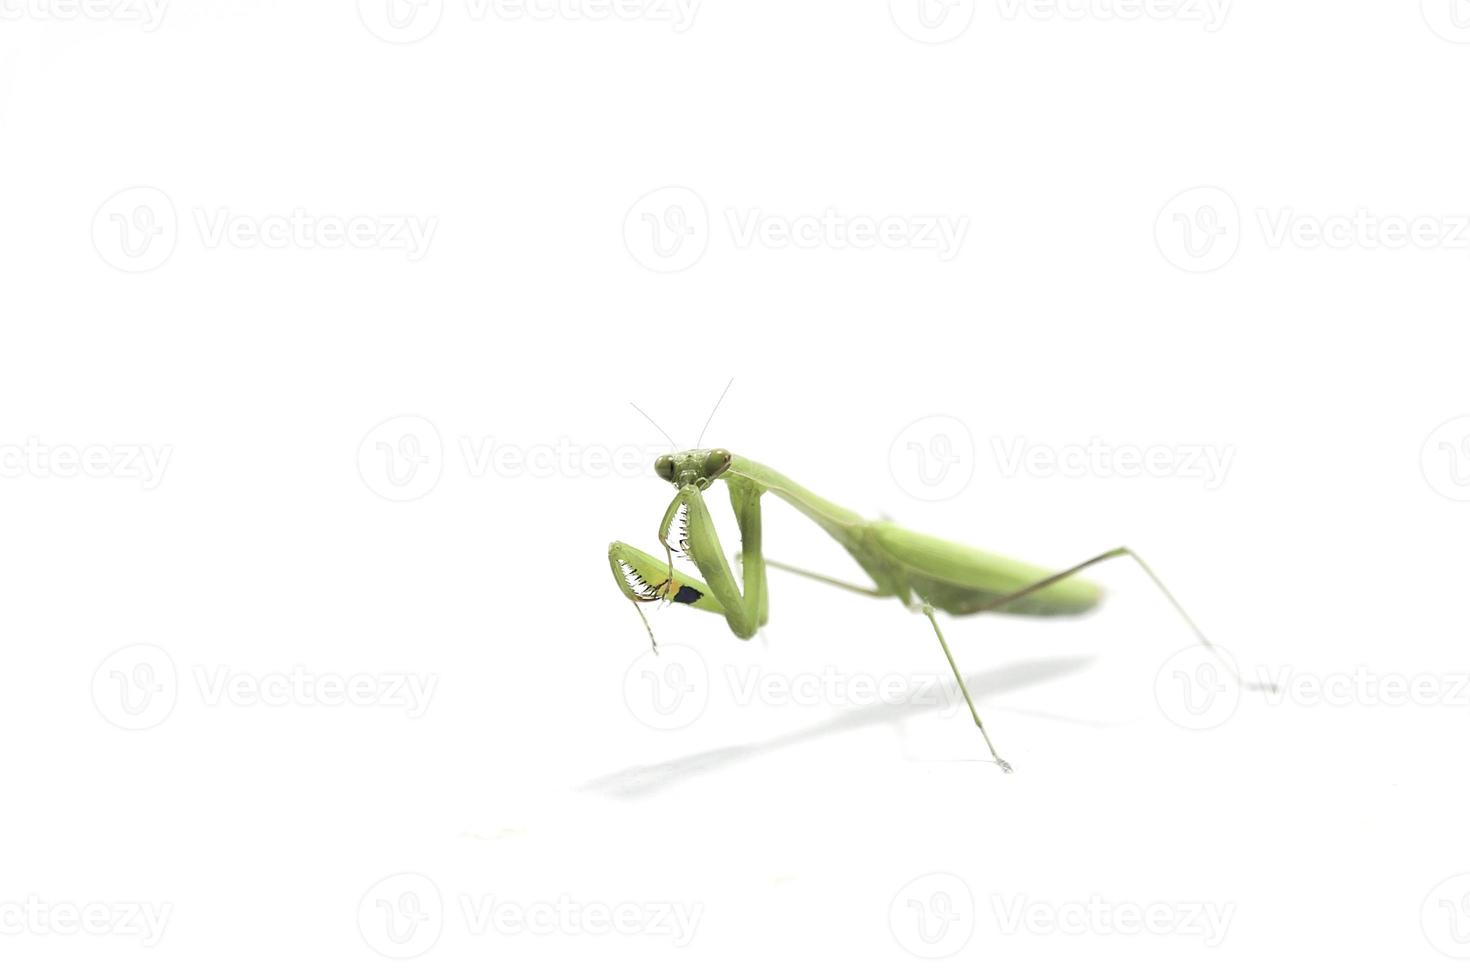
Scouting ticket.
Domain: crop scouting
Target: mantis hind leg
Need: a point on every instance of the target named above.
(928, 611)
(989, 603)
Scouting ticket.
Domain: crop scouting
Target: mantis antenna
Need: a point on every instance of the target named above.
(672, 444)
(700, 441)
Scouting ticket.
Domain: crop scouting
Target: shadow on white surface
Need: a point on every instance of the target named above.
(645, 780)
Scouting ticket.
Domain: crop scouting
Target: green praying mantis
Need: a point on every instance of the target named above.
(924, 573)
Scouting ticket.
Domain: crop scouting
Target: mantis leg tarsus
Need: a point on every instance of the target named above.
(1267, 687)
(928, 611)
(651, 639)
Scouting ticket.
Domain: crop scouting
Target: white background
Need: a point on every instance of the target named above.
(1097, 297)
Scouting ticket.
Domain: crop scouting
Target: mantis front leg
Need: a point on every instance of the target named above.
(746, 611)
(644, 578)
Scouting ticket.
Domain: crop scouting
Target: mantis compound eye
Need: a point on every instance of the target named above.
(717, 462)
(664, 467)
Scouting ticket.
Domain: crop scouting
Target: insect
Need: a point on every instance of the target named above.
(925, 573)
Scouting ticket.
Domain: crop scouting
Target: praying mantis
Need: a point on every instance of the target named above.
(927, 574)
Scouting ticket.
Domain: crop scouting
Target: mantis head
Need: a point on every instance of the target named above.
(697, 468)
